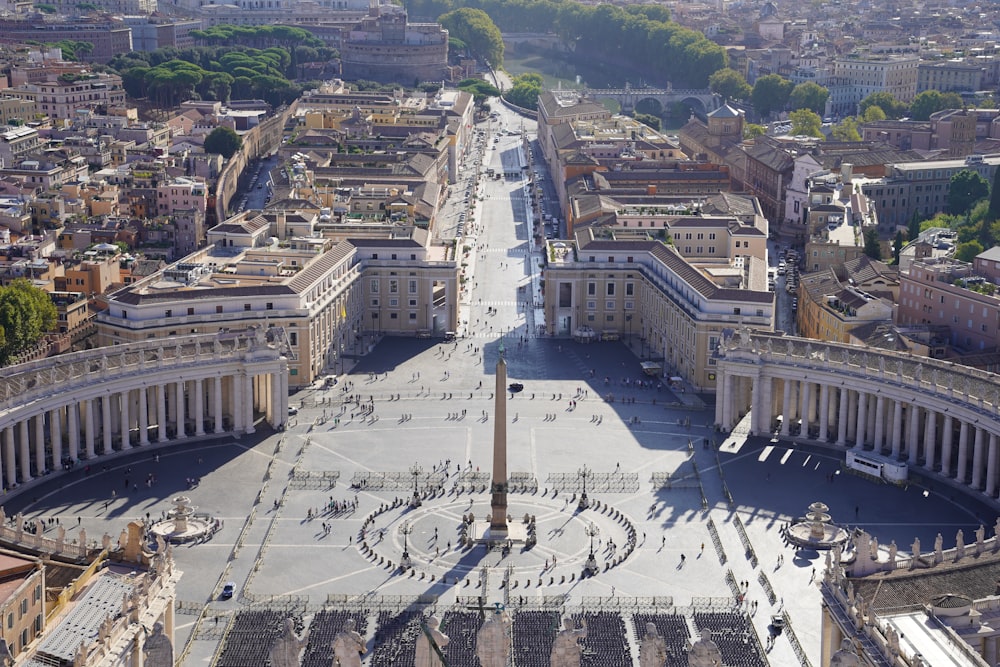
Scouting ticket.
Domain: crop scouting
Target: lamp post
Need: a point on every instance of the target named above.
(584, 473)
(415, 470)
(405, 530)
(591, 565)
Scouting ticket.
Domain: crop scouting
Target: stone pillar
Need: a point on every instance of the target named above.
(824, 412)
(143, 415)
(786, 406)
(25, 447)
(842, 417)
(283, 390)
(963, 452)
(161, 413)
(9, 460)
(977, 459)
(87, 406)
(991, 467)
(73, 426)
(199, 408)
(106, 427)
(720, 384)
(727, 401)
(859, 442)
(879, 423)
(248, 399)
(217, 403)
(40, 443)
(236, 385)
(765, 405)
(277, 418)
(930, 436)
(179, 411)
(870, 422)
(913, 435)
(126, 419)
(55, 426)
(805, 404)
(947, 432)
(897, 427)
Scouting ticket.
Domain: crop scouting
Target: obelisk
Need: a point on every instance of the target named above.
(498, 503)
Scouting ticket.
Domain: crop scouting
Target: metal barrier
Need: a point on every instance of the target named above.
(599, 482)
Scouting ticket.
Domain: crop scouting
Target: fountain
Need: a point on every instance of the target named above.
(181, 523)
(816, 530)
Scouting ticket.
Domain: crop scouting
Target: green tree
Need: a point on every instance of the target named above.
(752, 130)
(806, 122)
(873, 114)
(872, 246)
(478, 31)
(770, 93)
(649, 119)
(913, 229)
(965, 189)
(223, 141)
(897, 246)
(525, 91)
(847, 130)
(26, 314)
(809, 95)
(887, 102)
(932, 101)
(729, 84)
(966, 252)
(994, 209)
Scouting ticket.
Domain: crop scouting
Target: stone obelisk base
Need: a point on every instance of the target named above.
(482, 533)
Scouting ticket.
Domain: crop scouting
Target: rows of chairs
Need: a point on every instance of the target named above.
(735, 635)
(395, 638)
(605, 643)
(324, 629)
(461, 628)
(249, 641)
(533, 633)
(674, 630)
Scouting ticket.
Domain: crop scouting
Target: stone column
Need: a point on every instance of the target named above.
(870, 422)
(879, 423)
(217, 404)
(40, 443)
(786, 406)
(88, 426)
(179, 411)
(161, 413)
(199, 408)
(720, 384)
(824, 412)
(283, 390)
(25, 452)
(991, 467)
(9, 460)
(236, 385)
(977, 459)
(106, 428)
(73, 426)
(766, 391)
(852, 415)
(897, 426)
(55, 426)
(963, 451)
(947, 432)
(805, 402)
(248, 399)
(278, 418)
(143, 415)
(126, 420)
(726, 397)
(913, 435)
(842, 418)
(859, 442)
(930, 435)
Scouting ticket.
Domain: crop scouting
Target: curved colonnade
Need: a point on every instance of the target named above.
(85, 405)
(926, 413)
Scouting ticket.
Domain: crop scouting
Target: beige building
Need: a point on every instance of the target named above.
(62, 97)
(22, 600)
(835, 301)
(624, 285)
(333, 291)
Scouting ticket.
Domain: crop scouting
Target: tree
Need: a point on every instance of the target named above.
(770, 93)
(897, 246)
(873, 114)
(847, 130)
(729, 84)
(994, 209)
(26, 314)
(525, 91)
(913, 229)
(478, 31)
(966, 252)
(932, 101)
(965, 189)
(752, 131)
(649, 119)
(872, 246)
(810, 96)
(224, 141)
(887, 102)
(806, 122)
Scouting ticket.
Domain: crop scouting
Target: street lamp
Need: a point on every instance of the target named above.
(591, 565)
(415, 470)
(405, 529)
(584, 473)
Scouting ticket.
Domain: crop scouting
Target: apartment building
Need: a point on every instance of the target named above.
(949, 75)
(961, 296)
(16, 109)
(835, 301)
(868, 73)
(618, 285)
(331, 292)
(64, 96)
(17, 141)
(22, 603)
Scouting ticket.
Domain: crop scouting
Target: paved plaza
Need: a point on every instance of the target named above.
(265, 488)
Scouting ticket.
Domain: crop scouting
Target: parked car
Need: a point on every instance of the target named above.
(228, 589)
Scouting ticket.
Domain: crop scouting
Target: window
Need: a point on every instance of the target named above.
(218, 309)
(246, 307)
(269, 306)
(293, 338)
(413, 287)
(393, 316)
(393, 286)
(736, 311)
(609, 318)
(629, 289)
(591, 289)
(629, 305)
(611, 289)
(590, 318)
(393, 303)
(413, 316)
(611, 259)
(591, 305)
(413, 303)
(609, 305)
(374, 286)
(760, 312)
(168, 313)
(374, 303)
